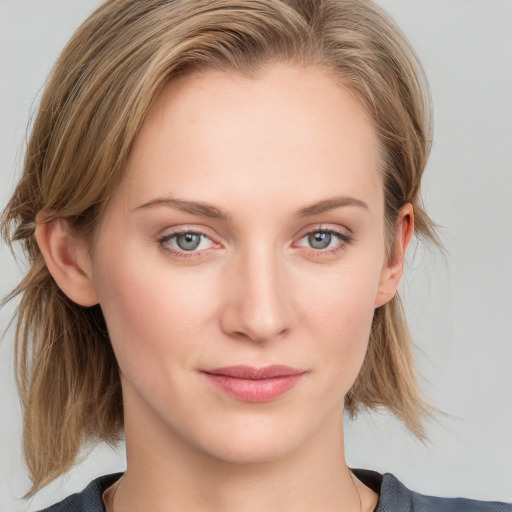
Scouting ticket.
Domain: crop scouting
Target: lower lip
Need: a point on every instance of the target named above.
(250, 390)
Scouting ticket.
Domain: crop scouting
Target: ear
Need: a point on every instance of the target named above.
(67, 259)
(394, 266)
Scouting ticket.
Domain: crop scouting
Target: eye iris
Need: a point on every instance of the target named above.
(319, 240)
(188, 241)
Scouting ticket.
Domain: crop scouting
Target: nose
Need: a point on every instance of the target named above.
(259, 302)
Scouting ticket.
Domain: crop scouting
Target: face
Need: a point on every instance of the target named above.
(239, 266)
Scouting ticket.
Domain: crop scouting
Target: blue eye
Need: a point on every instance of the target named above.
(325, 240)
(188, 241)
(182, 242)
(319, 240)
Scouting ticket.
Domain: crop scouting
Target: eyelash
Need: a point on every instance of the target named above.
(343, 238)
(164, 245)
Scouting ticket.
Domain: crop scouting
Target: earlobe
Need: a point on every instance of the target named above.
(393, 269)
(67, 260)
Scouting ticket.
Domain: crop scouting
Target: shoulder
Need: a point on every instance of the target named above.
(396, 497)
(88, 500)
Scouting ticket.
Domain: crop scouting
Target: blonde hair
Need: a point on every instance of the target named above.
(94, 103)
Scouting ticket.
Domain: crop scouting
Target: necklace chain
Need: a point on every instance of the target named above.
(357, 490)
(111, 500)
(110, 507)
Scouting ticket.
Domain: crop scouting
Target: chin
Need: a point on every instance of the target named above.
(253, 439)
(242, 450)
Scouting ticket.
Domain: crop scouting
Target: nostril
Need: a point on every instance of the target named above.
(258, 305)
(261, 321)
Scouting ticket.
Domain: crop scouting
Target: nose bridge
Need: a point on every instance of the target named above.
(260, 306)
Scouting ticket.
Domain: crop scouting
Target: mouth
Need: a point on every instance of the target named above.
(252, 384)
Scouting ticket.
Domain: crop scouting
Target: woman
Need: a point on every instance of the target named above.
(217, 201)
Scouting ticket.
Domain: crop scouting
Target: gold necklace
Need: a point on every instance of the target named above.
(357, 490)
(110, 506)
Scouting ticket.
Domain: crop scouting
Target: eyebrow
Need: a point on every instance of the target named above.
(206, 210)
(331, 204)
(194, 207)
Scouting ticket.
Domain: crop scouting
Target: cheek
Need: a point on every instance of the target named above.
(339, 316)
(348, 316)
(154, 315)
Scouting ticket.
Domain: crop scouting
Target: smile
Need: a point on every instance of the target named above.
(255, 384)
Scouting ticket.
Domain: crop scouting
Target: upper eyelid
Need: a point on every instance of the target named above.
(325, 228)
(342, 237)
(170, 232)
(302, 232)
(174, 234)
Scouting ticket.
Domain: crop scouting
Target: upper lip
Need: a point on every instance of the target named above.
(253, 373)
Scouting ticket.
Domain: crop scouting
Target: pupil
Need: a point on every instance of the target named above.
(320, 240)
(188, 241)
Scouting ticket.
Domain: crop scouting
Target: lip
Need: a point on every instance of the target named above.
(253, 384)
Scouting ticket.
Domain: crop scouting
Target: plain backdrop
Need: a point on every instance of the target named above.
(459, 306)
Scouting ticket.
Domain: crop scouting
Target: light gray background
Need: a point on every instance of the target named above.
(460, 310)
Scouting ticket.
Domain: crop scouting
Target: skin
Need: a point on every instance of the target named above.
(255, 291)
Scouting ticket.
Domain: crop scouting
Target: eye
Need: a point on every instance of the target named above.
(320, 240)
(325, 240)
(183, 242)
(188, 241)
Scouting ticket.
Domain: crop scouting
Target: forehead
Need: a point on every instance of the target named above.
(290, 127)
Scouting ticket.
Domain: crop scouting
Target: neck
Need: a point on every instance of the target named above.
(167, 473)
